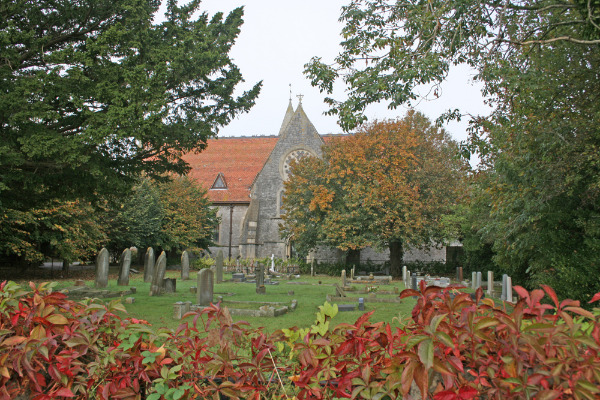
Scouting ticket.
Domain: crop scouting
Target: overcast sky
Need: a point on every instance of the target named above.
(279, 36)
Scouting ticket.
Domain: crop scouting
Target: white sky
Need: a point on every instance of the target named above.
(279, 36)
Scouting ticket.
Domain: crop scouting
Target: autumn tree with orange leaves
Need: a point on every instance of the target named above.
(387, 186)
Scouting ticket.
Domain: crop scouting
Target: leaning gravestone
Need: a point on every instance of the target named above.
(102, 269)
(159, 275)
(125, 265)
(219, 267)
(185, 266)
(205, 287)
(149, 265)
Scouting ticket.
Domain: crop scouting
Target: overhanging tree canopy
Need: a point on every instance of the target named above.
(92, 94)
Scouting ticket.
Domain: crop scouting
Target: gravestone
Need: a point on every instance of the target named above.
(346, 307)
(149, 260)
(404, 270)
(504, 287)
(159, 274)
(185, 266)
(170, 285)
(473, 280)
(490, 285)
(125, 265)
(352, 271)
(238, 277)
(344, 278)
(479, 278)
(413, 284)
(361, 304)
(312, 267)
(509, 296)
(219, 267)
(102, 269)
(206, 287)
(260, 280)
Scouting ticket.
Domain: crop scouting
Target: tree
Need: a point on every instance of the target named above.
(92, 94)
(172, 215)
(388, 186)
(189, 221)
(536, 201)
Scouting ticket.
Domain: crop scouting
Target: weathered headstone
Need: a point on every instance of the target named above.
(504, 287)
(473, 280)
(479, 278)
(260, 280)
(490, 285)
(185, 266)
(404, 270)
(219, 267)
(413, 284)
(149, 260)
(159, 274)
(169, 285)
(361, 304)
(509, 296)
(352, 271)
(125, 265)
(178, 310)
(102, 269)
(206, 287)
(344, 278)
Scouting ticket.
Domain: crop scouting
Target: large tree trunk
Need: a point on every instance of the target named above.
(396, 257)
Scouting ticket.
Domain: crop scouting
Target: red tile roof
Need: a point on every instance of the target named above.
(238, 159)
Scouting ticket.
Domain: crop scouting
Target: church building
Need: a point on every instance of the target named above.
(244, 177)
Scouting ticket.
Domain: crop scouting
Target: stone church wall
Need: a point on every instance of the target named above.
(224, 212)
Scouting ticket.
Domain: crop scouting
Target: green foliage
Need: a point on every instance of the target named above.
(202, 262)
(94, 94)
(535, 201)
(171, 215)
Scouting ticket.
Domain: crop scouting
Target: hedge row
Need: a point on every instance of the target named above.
(452, 347)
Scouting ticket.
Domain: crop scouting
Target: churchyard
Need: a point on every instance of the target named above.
(309, 293)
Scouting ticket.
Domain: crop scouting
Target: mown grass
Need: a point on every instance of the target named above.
(310, 292)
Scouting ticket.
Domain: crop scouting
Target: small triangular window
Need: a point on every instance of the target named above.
(219, 182)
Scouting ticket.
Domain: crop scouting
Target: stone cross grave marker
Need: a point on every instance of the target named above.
(125, 265)
(149, 260)
(219, 267)
(185, 266)
(206, 287)
(102, 269)
(159, 274)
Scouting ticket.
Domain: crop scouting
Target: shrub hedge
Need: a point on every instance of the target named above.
(452, 347)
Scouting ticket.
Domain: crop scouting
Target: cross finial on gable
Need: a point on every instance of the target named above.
(300, 96)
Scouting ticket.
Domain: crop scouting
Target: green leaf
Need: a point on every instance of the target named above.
(426, 348)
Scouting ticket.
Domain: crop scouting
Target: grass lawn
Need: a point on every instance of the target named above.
(158, 310)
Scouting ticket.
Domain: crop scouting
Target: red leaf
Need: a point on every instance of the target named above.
(445, 395)
(521, 291)
(595, 298)
(552, 294)
(64, 392)
(467, 392)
